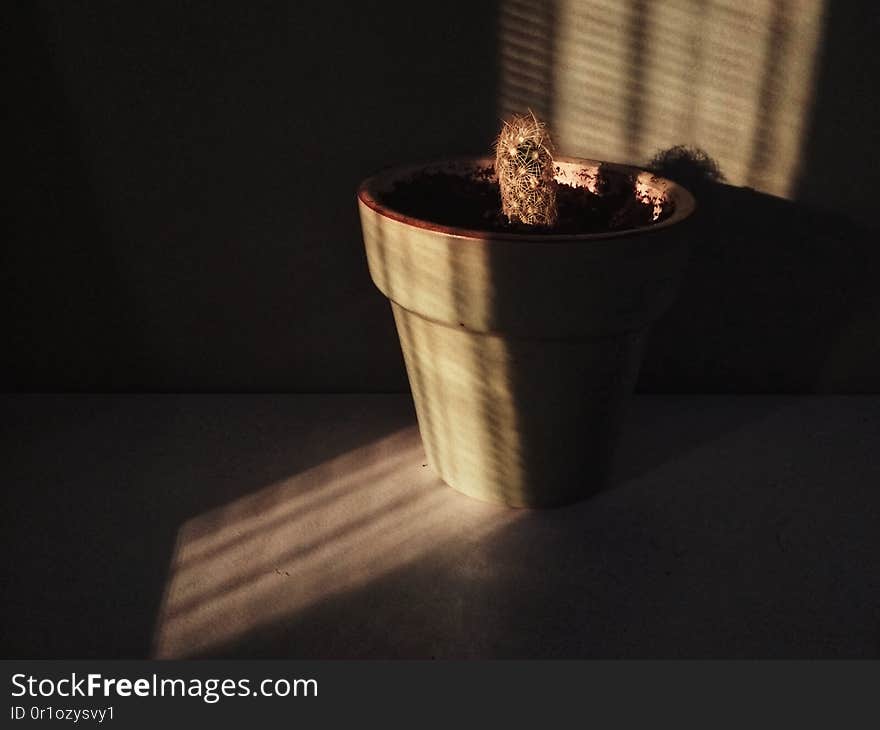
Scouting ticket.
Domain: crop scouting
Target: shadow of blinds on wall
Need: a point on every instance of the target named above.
(622, 79)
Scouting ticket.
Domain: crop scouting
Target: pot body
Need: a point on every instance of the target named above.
(521, 351)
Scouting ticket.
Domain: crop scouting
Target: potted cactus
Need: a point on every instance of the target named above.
(523, 286)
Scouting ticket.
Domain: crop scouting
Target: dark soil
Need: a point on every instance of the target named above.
(474, 203)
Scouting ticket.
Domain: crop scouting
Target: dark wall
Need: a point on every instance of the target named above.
(841, 170)
(778, 296)
(784, 296)
(184, 215)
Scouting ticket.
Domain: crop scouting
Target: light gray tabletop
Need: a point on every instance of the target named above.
(310, 526)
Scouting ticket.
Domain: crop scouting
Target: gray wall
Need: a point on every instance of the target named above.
(184, 214)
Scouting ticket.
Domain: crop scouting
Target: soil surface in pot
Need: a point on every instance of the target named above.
(473, 202)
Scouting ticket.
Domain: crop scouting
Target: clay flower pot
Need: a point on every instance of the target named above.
(522, 349)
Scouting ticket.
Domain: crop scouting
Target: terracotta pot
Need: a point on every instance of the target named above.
(521, 349)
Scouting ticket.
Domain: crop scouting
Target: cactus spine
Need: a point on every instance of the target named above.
(524, 166)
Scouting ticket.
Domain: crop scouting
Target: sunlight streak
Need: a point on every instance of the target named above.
(622, 80)
(264, 558)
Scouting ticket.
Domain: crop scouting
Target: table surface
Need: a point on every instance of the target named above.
(309, 526)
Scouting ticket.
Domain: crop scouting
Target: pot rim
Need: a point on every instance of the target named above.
(368, 195)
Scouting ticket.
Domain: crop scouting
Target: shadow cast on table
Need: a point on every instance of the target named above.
(660, 431)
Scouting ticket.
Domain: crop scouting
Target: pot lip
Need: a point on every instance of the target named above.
(684, 203)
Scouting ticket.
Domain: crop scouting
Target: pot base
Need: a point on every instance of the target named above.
(521, 421)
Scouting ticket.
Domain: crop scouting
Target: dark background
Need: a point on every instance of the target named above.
(182, 202)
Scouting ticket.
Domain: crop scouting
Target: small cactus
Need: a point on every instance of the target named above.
(524, 166)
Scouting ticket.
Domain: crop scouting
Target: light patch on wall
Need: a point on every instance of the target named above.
(623, 80)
